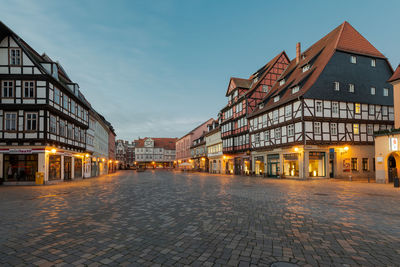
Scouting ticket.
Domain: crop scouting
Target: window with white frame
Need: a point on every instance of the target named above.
(65, 101)
(371, 110)
(317, 127)
(357, 108)
(69, 131)
(290, 130)
(266, 136)
(333, 128)
(335, 108)
(7, 89)
(353, 59)
(53, 124)
(295, 89)
(356, 128)
(29, 89)
(306, 67)
(385, 92)
(282, 82)
(373, 62)
(277, 133)
(275, 115)
(351, 88)
(373, 90)
(10, 121)
(384, 110)
(336, 86)
(56, 95)
(31, 121)
(370, 129)
(276, 98)
(15, 56)
(288, 111)
(264, 120)
(318, 106)
(265, 88)
(257, 137)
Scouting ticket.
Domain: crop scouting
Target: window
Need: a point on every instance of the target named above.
(288, 111)
(353, 59)
(357, 108)
(10, 121)
(53, 125)
(356, 128)
(29, 89)
(306, 67)
(76, 133)
(335, 108)
(318, 106)
(333, 128)
(317, 127)
(82, 136)
(277, 133)
(266, 136)
(31, 121)
(351, 88)
(15, 56)
(295, 89)
(354, 164)
(282, 82)
(265, 88)
(57, 95)
(365, 166)
(291, 130)
(72, 106)
(384, 111)
(373, 62)
(373, 90)
(370, 129)
(65, 101)
(276, 98)
(385, 92)
(336, 86)
(371, 110)
(69, 130)
(62, 128)
(7, 89)
(275, 115)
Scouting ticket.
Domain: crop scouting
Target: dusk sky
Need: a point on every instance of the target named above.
(160, 68)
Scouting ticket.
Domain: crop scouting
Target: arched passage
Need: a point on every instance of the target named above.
(393, 166)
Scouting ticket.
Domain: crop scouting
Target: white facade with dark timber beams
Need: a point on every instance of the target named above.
(319, 118)
(43, 116)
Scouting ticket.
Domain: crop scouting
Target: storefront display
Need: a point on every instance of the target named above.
(77, 168)
(20, 167)
(317, 164)
(291, 164)
(67, 167)
(54, 167)
(259, 165)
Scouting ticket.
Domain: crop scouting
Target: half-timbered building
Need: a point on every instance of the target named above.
(319, 118)
(244, 95)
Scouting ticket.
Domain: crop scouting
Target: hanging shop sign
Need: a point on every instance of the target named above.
(393, 144)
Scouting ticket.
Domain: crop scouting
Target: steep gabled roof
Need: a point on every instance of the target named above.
(166, 143)
(343, 38)
(395, 76)
(238, 83)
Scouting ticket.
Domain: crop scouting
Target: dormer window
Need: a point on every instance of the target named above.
(303, 56)
(276, 98)
(261, 105)
(282, 82)
(265, 88)
(336, 86)
(255, 80)
(373, 62)
(295, 89)
(353, 59)
(306, 67)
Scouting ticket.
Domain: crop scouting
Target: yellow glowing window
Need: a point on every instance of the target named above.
(356, 128)
(358, 108)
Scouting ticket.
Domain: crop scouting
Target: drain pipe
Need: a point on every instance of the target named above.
(304, 136)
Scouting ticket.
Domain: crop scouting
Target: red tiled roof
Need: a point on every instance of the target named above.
(239, 83)
(166, 143)
(343, 38)
(396, 75)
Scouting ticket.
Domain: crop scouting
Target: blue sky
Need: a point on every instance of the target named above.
(160, 68)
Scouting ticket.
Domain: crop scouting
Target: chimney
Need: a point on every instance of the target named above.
(298, 52)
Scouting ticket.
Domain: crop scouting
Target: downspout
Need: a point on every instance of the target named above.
(304, 137)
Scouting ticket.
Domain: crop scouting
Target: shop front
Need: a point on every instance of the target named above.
(67, 168)
(259, 164)
(316, 164)
(291, 165)
(78, 167)
(20, 167)
(54, 167)
(273, 165)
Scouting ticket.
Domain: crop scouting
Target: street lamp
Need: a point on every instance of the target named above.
(53, 150)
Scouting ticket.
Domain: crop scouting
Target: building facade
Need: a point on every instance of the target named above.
(243, 97)
(155, 152)
(183, 144)
(125, 154)
(387, 149)
(198, 153)
(216, 158)
(319, 118)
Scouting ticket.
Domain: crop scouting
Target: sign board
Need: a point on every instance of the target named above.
(393, 144)
(20, 151)
(346, 165)
(379, 159)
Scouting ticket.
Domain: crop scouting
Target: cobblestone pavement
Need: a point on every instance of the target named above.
(168, 218)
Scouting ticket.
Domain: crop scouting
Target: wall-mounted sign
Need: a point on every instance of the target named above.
(20, 151)
(379, 159)
(393, 144)
(346, 165)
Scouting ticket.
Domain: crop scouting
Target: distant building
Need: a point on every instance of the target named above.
(217, 161)
(125, 153)
(155, 152)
